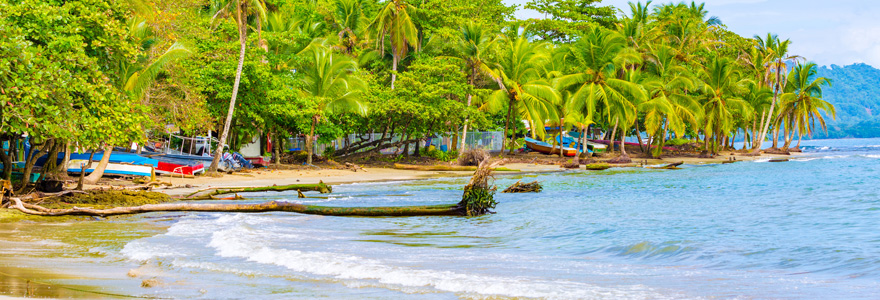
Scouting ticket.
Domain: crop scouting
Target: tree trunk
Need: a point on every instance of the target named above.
(82, 171)
(310, 139)
(622, 142)
(242, 37)
(662, 141)
(7, 159)
(66, 161)
(32, 157)
(639, 136)
(99, 171)
(277, 150)
(507, 126)
(467, 116)
(51, 165)
(611, 139)
(776, 134)
(394, 60)
(766, 127)
(799, 140)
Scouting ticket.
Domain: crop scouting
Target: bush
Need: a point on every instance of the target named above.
(472, 157)
(438, 155)
(329, 152)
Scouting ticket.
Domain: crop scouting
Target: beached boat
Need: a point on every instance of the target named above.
(119, 169)
(546, 148)
(606, 142)
(591, 146)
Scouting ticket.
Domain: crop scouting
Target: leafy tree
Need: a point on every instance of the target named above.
(394, 22)
(564, 20)
(803, 101)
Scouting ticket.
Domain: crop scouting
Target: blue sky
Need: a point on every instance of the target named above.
(827, 32)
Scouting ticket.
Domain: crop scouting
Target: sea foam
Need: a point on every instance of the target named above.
(249, 244)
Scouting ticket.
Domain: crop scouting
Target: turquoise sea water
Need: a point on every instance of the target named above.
(804, 229)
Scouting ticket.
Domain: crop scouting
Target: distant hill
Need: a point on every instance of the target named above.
(855, 93)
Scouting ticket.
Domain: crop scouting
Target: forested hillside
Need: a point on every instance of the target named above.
(855, 93)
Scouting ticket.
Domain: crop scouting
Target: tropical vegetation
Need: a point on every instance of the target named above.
(375, 74)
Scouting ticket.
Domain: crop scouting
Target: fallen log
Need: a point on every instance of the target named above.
(672, 166)
(446, 168)
(319, 187)
(402, 211)
(779, 160)
(519, 187)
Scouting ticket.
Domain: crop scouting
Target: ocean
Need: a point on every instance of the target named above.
(808, 228)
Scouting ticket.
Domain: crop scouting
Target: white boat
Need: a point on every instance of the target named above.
(120, 169)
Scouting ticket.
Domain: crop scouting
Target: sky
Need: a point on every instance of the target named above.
(840, 32)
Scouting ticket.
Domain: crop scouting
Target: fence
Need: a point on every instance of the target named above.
(490, 141)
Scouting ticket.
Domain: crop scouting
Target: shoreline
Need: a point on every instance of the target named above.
(267, 177)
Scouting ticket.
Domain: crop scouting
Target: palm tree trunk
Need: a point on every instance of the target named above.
(662, 138)
(310, 139)
(507, 126)
(99, 171)
(799, 140)
(766, 127)
(394, 60)
(611, 139)
(622, 142)
(242, 37)
(639, 137)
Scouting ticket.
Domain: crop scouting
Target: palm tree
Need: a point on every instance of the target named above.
(777, 52)
(332, 85)
(243, 8)
(521, 86)
(393, 22)
(599, 56)
(474, 42)
(722, 86)
(804, 101)
(669, 87)
(350, 22)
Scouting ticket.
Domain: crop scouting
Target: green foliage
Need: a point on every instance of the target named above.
(854, 94)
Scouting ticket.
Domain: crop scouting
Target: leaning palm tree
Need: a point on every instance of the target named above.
(329, 80)
(521, 87)
(393, 22)
(804, 101)
(777, 51)
(242, 9)
(599, 56)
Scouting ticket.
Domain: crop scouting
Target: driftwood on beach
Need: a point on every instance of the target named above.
(208, 194)
(477, 199)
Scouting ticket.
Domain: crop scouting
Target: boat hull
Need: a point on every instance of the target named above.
(545, 148)
(118, 169)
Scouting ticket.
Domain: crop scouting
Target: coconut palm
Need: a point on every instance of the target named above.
(804, 101)
(393, 22)
(721, 86)
(242, 9)
(474, 43)
(670, 86)
(521, 86)
(599, 56)
(777, 52)
(329, 81)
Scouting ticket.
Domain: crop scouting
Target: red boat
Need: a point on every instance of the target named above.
(178, 169)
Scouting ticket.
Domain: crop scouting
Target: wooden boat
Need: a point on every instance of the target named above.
(591, 146)
(118, 169)
(181, 169)
(546, 148)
